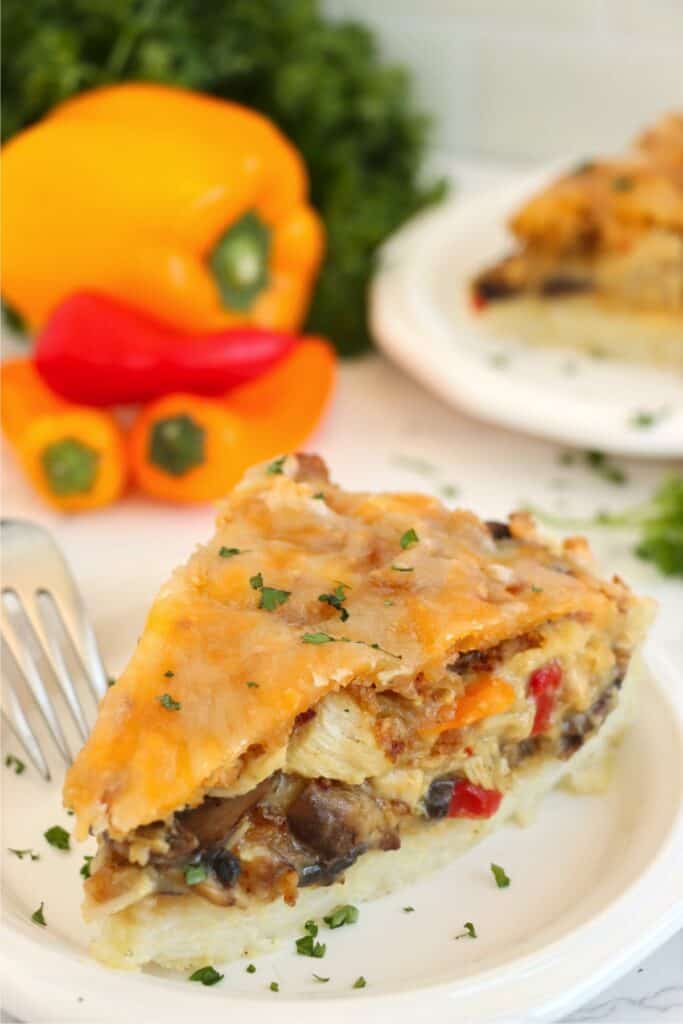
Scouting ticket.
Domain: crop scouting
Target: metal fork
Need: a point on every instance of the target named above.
(53, 675)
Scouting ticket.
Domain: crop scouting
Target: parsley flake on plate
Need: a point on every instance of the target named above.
(111, 681)
(58, 837)
(250, 969)
(169, 673)
(38, 917)
(644, 418)
(502, 880)
(600, 464)
(167, 701)
(206, 975)
(307, 945)
(14, 762)
(403, 568)
(408, 910)
(346, 914)
(409, 538)
(274, 987)
(256, 582)
(318, 978)
(360, 982)
(325, 638)
(24, 853)
(319, 496)
(224, 552)
(85, 866)
(469, 933)
(275, 468)
(251, 685)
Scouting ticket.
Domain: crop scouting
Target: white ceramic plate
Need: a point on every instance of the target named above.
(596, 884)
(420, 315)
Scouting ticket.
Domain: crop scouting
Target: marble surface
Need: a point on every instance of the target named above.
(400, 432)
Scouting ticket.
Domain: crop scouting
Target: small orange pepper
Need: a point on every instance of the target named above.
(73, 455)
(483, 698)
(185, 448)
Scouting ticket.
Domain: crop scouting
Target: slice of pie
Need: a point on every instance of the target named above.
(334, 696)
(598, 259)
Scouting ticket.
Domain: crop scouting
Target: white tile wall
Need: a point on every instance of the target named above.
(533, 79)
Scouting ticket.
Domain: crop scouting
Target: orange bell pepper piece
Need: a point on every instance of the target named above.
(483, 698)
(73, 455)
(192, 208)
(189, 449)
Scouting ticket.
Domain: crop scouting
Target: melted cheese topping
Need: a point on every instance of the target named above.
(207, 638)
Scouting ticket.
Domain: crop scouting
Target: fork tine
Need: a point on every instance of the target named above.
(65, 658)
(16, 697)
(36, 666)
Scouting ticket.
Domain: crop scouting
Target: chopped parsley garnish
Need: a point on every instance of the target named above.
(167, 701)
(13, 762)
(38, 917)
(359, 982)
(318, 638)
(325, 638)
(318, 978)
(169, 673)
(336, 600)
(24, 853)
(195, 873)
(319, 496)
(224, 552)
(307, 945)
(207, 976)
(252, 685)
(58, 837)
(408, 910)
(250, 968)
(111, 681)
(449, 491)
(647, 419)
(600, 464)
(346, 914)
(409, 538)
(85, 866)
(275, 468)
(274, 987)
(469, 933)
(271, 598)
(622, 183)
(403, 568)
(502, 880)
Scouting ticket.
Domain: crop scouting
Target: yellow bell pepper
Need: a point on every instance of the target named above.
(189, 207)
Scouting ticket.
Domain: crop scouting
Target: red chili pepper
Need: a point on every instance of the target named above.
(470, 801)
(543, 686)
(98, 351)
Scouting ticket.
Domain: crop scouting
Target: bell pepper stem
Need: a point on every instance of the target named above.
(177, 444)
(239, 262)
(70, 466)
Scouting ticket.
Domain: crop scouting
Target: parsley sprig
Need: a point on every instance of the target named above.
(659, 522)
(346, 914)
(13, 762)
(206, 975)
(58, 837)
(502, 880)
(271, 597)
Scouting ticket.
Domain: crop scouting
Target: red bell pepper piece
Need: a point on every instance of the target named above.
(471, 801)
(97, 351)
(543, 686)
